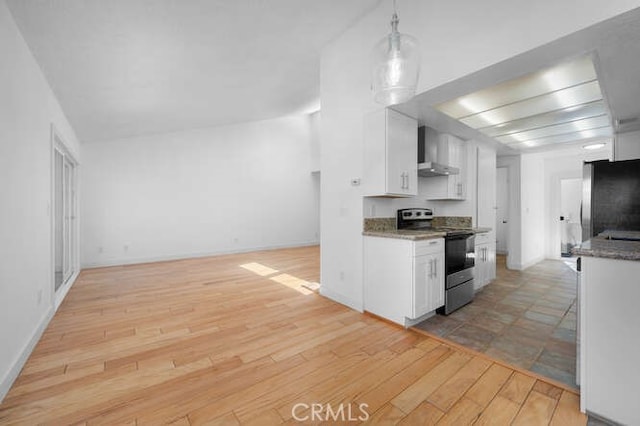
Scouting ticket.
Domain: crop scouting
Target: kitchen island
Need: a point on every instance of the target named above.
(609, 331)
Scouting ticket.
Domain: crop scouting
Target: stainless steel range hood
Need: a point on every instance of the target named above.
(428, 165)
(430, 169)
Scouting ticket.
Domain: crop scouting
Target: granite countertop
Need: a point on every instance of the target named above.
(386, 227)
(481, 230)
(604, 246)
(405, 234)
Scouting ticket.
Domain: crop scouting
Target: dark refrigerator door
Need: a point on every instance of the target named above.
(615, 196)
(585, 209)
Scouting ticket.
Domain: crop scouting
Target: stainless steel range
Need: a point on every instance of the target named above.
(459, 256)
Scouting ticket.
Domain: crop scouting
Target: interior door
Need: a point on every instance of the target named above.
(65, 232)
(502, 210)
(58, 218)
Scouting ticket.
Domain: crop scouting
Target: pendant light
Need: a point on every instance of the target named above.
(396, 66)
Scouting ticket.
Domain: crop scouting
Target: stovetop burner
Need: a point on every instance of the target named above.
(420, 219)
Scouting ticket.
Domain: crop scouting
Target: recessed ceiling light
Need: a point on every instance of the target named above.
(594, 146)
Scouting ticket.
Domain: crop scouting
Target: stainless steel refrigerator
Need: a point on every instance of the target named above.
(610, 197)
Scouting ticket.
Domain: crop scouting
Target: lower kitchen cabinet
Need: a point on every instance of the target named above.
(485, 267)
(403, 279)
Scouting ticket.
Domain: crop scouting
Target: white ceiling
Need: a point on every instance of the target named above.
(612, 45)
(561, 104)
(123, 68)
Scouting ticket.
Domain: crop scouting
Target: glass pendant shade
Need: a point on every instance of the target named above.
(396, 67)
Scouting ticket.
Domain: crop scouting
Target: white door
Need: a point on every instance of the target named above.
(502, 210)
(65, 226)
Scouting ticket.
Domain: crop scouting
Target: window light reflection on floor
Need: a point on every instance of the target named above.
(293, 282)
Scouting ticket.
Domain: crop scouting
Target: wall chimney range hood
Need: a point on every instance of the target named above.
(429, 145)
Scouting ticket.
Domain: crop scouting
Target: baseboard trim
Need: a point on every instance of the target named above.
(62, 293)
(523, 266)
(153, 259)
(337, 297)
(14, 371)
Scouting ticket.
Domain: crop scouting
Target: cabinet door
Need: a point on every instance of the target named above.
(428, 291)
(491, 262)
(480, 272)
(423, 271)
(402, 154)
(436, 283)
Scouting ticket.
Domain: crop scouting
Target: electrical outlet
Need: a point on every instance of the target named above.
(341, 275)
(126, 247)
(100, 249)
(39, 296)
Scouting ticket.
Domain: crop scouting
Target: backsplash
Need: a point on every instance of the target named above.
(379, 224)
(452, 222)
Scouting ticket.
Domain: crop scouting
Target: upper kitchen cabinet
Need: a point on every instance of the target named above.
(390, 154)
(443, 159)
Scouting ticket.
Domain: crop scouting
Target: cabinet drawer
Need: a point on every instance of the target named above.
(428, 246)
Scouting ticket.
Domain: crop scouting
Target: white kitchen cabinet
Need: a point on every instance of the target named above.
(403, 279)
(452, 151)
(390, 154)
(485, 261)
(609, 349)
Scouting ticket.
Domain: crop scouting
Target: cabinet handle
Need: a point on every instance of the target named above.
(430, 275)
(435, 268)
(460, 189)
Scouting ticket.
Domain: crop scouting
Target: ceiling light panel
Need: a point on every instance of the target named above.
(564, 138)
(560, 77)
(560, 99)
(558, 129)
(589, 110)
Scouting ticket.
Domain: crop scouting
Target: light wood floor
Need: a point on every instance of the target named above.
(236, 339)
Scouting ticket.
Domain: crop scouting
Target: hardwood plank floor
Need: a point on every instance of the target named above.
(239, 339)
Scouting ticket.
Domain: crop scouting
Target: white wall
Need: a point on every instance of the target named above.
(627, 146)
(28, 108)
(200, 192)
(456, 41)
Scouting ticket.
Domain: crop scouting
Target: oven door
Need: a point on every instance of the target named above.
(459, 252)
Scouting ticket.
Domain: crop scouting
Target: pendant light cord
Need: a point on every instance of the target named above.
(394, 19)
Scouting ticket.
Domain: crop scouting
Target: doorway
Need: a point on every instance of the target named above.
(502, 210)
(570, 203)
(65, 226)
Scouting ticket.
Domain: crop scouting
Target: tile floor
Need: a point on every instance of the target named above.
(526, 318)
